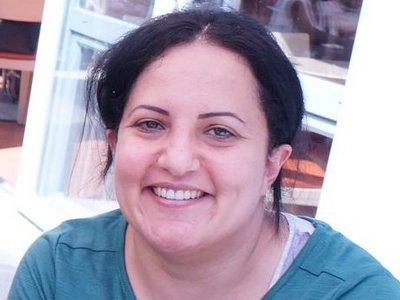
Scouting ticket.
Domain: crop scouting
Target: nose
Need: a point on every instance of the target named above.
(179, 155)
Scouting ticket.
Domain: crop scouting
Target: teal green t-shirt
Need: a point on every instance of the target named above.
(84, 259)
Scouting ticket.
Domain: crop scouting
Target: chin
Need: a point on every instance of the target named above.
(174, 239)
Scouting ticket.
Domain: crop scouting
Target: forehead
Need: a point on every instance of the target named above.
(200, 67)
(189, 55)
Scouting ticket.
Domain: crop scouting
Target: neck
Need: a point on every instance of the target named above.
(234, 266)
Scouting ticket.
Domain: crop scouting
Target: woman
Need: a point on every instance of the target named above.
(201, 108)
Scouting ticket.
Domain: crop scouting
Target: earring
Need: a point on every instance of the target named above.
(268, 201)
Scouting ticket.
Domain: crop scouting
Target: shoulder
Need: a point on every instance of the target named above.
(334, 253)
(60, 258)
(356, 272)
(97, 233)
(330, 266)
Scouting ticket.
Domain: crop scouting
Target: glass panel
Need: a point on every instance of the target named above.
(322, 29)
(133, 11)
(65, 136)
(71, 148)
(318, 37)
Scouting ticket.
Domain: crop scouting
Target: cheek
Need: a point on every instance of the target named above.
(130, 162)
(130, 166)
(241, 172)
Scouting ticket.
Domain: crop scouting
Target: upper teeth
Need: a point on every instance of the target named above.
(176, 194)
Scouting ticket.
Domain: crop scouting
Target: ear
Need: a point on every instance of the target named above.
(111, 138)
(275, 160)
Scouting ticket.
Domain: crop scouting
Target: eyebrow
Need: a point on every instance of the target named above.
(220, 114)
(201, 116)
(150, 107)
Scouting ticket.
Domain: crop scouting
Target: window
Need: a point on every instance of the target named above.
(74, 31)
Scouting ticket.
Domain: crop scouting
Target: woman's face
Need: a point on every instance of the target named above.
(190, 156)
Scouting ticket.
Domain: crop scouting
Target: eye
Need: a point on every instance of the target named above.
(149, 126)
(220, 133)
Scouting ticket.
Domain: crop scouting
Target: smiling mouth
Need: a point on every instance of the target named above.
(178, 195)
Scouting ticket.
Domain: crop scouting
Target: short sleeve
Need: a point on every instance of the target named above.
(35, 275)
(380, 286)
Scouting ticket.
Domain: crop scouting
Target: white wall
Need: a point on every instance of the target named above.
(361, 192)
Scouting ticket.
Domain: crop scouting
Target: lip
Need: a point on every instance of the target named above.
(179, 186)
(176, 203)
(177, 195)
(176, 186)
